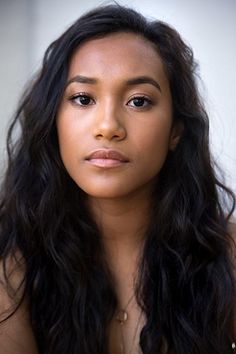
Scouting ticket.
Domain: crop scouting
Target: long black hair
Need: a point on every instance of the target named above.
(185, 284)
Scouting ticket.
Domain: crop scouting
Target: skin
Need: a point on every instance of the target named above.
(103, 113)
(16, 334)
(107, 116)
(118, 197)
(111, 120)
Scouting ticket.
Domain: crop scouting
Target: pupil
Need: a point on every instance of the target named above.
(84, 100)
(138, 102)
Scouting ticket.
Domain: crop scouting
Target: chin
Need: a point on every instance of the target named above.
(106, 192)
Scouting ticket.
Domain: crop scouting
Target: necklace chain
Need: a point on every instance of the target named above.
(121, 318)
(122, 314)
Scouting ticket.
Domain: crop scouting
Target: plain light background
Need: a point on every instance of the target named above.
(27, 27)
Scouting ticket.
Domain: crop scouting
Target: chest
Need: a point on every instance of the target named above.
(123, 337)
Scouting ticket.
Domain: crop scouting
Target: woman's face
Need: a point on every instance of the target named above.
(115, 122)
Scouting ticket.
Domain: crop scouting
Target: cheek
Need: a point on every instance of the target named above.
(153, 144)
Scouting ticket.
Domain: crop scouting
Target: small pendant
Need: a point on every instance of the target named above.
(121, 316)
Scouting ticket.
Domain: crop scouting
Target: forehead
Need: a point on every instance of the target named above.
(125, 54)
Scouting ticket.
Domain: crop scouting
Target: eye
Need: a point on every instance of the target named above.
(82, 99)
(139, 101)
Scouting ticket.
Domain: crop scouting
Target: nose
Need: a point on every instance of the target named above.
(108, 123)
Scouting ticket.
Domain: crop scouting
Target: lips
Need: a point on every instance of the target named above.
(106, 158)
(107, 154)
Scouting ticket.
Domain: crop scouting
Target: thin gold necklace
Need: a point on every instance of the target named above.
(122, 317)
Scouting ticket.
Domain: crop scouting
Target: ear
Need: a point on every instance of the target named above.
(176, 133)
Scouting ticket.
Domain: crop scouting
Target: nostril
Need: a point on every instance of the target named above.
(111, 129)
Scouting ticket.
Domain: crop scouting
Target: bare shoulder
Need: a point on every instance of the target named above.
(16, 335)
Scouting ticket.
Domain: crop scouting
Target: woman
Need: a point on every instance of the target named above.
(114, 234)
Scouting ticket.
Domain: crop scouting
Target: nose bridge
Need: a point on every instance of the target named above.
(109, 123)
(109, 109)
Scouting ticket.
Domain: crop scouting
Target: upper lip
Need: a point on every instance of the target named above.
(107, 154)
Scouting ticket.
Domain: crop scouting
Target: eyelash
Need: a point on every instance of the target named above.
(147, 100)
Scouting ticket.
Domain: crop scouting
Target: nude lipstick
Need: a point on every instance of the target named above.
(106, 158)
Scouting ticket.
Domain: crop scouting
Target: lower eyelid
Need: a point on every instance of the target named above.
(72, 99)
(147, 100)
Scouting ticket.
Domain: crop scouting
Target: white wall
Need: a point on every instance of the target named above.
(28, 26)
(15, 59)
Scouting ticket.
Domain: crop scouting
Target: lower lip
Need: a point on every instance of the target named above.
(106, 163)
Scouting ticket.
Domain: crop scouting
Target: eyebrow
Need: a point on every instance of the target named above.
(131, 82)
(143, 80)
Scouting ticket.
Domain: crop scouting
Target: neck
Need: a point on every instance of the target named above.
(122, 224)
(121, 221)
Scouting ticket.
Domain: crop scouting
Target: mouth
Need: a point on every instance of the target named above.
(106, 158)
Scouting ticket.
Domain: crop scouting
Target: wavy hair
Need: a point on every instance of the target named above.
(185, 281)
